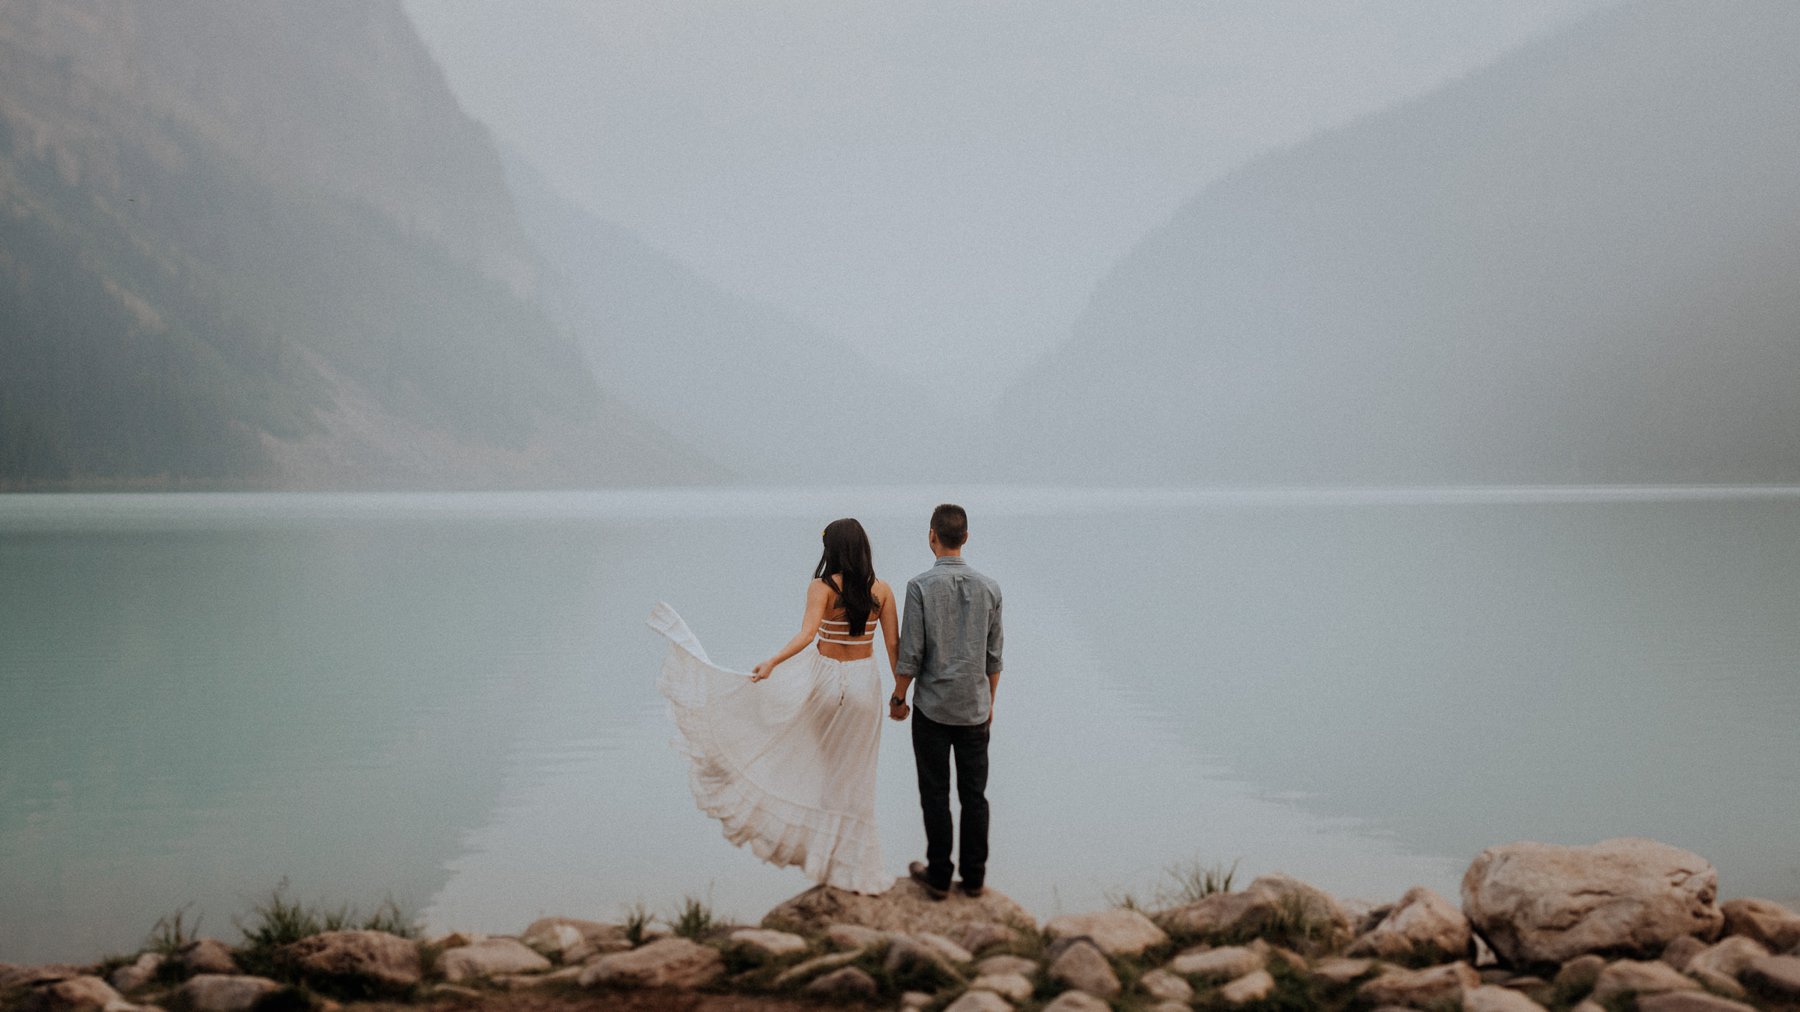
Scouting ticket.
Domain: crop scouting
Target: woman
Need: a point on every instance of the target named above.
(785, 757)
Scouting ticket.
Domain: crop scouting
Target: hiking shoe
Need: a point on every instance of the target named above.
(916, 871)
(973, 892)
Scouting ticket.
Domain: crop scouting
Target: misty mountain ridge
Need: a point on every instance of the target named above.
(259, 244)
(744, 383)
(1576, 265)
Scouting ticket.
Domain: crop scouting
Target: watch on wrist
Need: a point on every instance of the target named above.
(896, 701)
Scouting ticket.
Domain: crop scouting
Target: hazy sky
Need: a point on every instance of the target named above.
(939, 183)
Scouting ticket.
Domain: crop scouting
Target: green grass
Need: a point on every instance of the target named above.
(636, 922)
(173, 932)
(694, 919)
(1194, 882)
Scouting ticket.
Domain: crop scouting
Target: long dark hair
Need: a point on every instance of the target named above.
(848, 567)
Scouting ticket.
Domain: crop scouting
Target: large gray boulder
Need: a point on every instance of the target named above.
(1423, 927)
(905, 907)
(1540, 903)
(364, 961)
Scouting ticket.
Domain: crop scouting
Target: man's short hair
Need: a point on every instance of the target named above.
(951, 524)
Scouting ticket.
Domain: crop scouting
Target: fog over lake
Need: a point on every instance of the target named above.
(451, 698)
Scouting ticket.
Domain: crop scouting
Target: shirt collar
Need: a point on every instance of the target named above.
(950, 560)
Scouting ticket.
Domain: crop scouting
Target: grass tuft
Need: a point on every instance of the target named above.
(172, 932)
(694, 919)
(1194, 882)
(637, 922)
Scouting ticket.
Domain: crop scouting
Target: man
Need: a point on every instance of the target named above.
(950, 644)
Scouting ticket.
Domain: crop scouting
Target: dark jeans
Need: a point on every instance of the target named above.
(933, 746)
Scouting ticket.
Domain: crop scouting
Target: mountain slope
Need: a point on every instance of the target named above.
(1575, 265)
(259, 244)
(746, 383)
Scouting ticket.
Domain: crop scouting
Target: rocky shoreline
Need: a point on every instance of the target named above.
(1622, 924)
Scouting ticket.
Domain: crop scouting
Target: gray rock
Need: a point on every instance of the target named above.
(1775, 976)
(1490, 998)
(1631, 976)
(985, 935)
(1766, 921)
(768, 944)
(129, 978)
(1339, 970)
(946, 948)
(1689, 1001)
(528, 981)
(1116, 932)
(1421, 988)
(1077, 1001)
(207, 955)
(846, 984)
(916, 999)
(1171, 1006)
(216, 992)
(1009, 964)
(1537, 903)
(1681, 950)
(1577, 976)
(1268, 902)
(1728, 958)
(1084, 967)
(71, 993)
(817, 965)
(854, 936)
(1166, 986)
(1248, 988)
(1011, 986)
(374, 960)
(1423, 926)
(906, 954)
(458, 992)
(904, 907)
(490, 957)
(1224, 963)
(979, 1001)
(668, 962)
(569, 939)
(43, 973)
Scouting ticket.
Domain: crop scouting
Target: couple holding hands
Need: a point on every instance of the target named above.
(785, 758)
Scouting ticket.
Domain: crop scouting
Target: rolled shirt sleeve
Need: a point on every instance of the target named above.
(912, 632)
(995, 638)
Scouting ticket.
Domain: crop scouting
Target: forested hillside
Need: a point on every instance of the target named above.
(1578, 265)
(258, 244)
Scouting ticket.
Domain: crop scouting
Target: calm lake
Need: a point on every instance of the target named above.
(450, 699)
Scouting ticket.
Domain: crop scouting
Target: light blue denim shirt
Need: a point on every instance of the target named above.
(950, 641)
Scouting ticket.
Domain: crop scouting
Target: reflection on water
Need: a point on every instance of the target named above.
(450, 698)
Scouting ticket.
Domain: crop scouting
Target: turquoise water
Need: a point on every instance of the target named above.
(450, 698)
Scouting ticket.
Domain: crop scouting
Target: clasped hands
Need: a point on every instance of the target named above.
(898, 711)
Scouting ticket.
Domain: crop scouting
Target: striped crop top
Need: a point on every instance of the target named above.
(835, 630)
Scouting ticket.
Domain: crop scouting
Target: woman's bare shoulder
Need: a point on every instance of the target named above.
(882, 591)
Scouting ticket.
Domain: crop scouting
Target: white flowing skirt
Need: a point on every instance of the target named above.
(787, 765)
